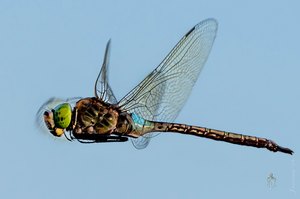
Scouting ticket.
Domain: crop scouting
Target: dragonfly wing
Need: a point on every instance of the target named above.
(162, 94)
(102, 88)
(141, 142)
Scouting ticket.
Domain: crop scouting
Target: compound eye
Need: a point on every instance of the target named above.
(62, 115)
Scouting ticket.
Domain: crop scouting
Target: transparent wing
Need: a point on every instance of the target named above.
(102, 88)
(162, 94)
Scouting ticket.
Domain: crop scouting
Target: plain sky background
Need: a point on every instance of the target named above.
(250, 84)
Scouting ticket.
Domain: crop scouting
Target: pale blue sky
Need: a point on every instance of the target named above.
(250, 84)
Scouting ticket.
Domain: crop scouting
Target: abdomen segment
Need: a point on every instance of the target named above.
(233, 138)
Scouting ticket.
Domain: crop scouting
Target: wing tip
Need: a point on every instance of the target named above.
(210, 23)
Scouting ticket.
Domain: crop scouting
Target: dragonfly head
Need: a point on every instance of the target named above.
(58, 119)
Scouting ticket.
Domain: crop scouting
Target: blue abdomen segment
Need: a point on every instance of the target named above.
(137, 119)
(141, 125)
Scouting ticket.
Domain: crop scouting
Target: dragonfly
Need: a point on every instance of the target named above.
(149, 108)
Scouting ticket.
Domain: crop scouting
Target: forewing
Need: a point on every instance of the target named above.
(102, 88)
(162, 94)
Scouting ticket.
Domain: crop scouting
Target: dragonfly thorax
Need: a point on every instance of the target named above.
(94, 116)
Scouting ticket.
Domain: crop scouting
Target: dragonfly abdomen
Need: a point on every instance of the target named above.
(233, 138)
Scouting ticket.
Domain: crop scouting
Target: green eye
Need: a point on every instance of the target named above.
(62, 115)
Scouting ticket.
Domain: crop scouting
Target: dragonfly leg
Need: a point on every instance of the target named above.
(97, 138)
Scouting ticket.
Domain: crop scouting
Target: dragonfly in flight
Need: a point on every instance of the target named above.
(150, 107)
